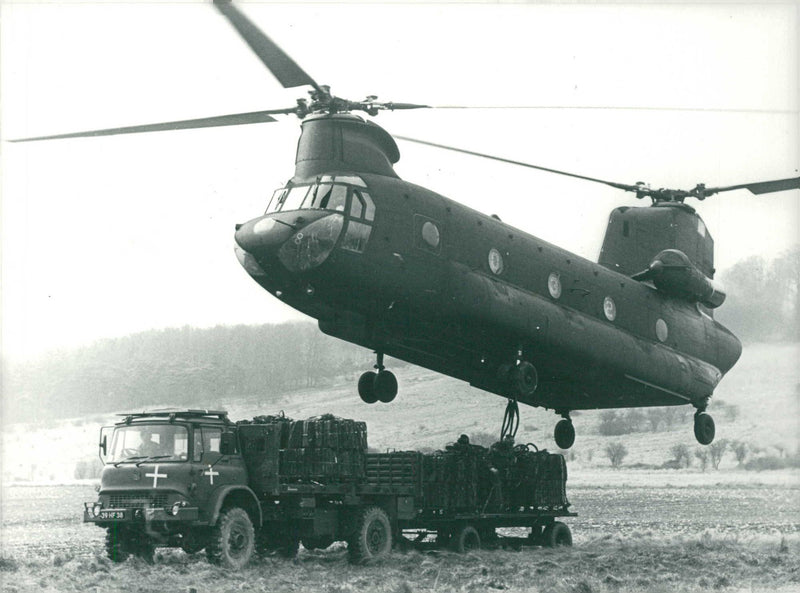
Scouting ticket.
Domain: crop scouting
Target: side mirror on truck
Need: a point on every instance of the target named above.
(103, 444)
(227, 443)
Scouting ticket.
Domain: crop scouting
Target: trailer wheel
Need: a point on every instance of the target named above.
(371, 537)
(556, 534)
(232, 539)
(465, 538)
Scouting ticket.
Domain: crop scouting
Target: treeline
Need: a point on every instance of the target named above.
(182, 366)
(762, 301)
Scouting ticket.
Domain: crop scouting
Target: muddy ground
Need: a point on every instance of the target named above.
(631, 536)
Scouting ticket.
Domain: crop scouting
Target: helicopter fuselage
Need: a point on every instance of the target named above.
(412, 274)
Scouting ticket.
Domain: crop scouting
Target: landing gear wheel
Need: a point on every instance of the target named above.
(465, 538)
(232, 540)
(366, 387)
(556, 534)
(704, 429)
(564, 434)
(371, 537)
(385, 387)
(524, 379)
(119, 544)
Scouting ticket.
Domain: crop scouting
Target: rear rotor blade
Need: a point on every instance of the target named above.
(623, 186)
(759, 187)
(288, 73)
(234, 119)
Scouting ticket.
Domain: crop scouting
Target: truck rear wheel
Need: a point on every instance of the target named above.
(371, 537)
(557, 534)
(232, 539)
(465, 538)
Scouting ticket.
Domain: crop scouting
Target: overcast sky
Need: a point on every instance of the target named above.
(107, 236)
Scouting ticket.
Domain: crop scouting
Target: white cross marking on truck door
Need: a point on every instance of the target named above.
(155, 475)
(211, 473)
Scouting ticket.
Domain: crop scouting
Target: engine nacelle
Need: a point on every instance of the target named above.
(673, 273)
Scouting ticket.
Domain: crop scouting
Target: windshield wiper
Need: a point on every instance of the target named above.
(151, 458)
(117, 464)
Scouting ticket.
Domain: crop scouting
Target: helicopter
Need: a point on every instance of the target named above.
(403, 271)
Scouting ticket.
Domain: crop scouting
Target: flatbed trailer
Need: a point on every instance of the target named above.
(237, 496)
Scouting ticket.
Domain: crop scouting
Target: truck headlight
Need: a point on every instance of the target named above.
(175, 508)
(96, 509)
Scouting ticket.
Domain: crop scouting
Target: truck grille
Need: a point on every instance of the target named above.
(137, 500)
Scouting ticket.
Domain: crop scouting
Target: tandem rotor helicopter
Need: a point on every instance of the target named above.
(405, 272)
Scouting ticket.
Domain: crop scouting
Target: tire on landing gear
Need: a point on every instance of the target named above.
(564, 434)
(385, 387)
(704, 429)
(366, 387)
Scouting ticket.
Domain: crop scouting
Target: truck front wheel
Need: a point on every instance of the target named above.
(119, 543)
(372, 535)
(232, 539)
(122, 543)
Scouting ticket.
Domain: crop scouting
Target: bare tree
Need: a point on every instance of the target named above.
(715, 452)
(616, 452)
(681, 455)
(740, 449)
(702, 455)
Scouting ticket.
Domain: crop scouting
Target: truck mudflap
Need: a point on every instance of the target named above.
(104, 517)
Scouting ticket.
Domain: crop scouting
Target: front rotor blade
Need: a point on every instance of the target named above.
(288, 73)
(624, 186)
(761, 187)
(234, 119)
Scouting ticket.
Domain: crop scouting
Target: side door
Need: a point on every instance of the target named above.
(211, 469)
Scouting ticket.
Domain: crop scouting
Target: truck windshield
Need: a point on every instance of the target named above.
(167, 442)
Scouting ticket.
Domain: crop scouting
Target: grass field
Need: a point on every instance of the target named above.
(637, 530)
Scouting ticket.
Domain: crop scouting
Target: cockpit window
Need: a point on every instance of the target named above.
(329, 193)
(295, 197)
(351, 179)
(277, 199)
(363, 206)
(335, 200)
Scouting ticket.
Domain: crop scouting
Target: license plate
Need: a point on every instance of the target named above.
(112, 514)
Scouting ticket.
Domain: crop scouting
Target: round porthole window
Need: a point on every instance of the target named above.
(430, 234)
(554, 285)
(495, 261)
(609, 308)
(661, 330)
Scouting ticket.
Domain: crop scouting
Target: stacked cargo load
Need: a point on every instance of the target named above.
(467, 477)
(396, 469)
(319, 449)
(542, 477)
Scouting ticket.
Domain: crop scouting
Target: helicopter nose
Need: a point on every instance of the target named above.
(263, 235)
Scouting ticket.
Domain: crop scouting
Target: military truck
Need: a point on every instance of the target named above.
(196, 480)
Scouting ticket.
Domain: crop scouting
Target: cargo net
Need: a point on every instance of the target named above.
(323, 449)
(464, 477)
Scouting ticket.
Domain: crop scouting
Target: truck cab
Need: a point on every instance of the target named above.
(167, 475)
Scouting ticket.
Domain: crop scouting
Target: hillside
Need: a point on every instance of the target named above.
(758, 402)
